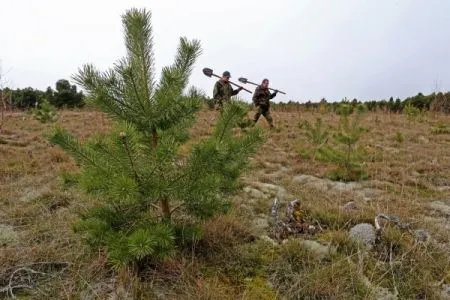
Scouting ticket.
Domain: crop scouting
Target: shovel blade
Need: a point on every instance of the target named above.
(208, 72)
(243, 80)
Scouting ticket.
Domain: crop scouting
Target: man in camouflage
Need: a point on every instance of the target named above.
(223, 91)
(261, 98)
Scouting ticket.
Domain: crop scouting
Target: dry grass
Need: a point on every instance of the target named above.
(410, 173)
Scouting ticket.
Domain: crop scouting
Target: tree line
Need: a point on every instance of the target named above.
(435, 102)
(64, 95)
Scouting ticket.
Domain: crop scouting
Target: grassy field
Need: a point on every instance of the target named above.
(407, 165)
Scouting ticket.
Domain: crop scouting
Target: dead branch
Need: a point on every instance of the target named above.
(16, 282)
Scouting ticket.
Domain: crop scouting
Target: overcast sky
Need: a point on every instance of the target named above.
(368, 49)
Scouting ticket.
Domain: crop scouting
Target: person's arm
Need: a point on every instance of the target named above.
(235, 92)
(257, 96)
(216, 92)
(273, 94)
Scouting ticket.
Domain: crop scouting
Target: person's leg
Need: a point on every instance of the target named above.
(219, 105)
(257, 115)
(268, 116)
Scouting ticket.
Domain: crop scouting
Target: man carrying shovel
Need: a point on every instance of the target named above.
(223, 90)
(261, 99)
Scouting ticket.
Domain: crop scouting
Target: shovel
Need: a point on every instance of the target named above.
(245, 80)
(209, 72)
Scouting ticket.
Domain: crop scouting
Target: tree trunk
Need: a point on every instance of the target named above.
(154, 139)
(164, 201)
(165, 207)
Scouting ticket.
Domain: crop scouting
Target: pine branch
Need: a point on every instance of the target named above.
(127, 148)
(139, 43)
(228, 119)
(72, 145)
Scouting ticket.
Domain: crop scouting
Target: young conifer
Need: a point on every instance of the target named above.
(142, 187)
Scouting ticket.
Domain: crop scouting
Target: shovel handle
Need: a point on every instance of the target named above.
(240, 86)
(269, 88)
(278, 91)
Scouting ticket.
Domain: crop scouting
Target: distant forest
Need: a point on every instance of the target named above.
(66, 95)
(435, 102)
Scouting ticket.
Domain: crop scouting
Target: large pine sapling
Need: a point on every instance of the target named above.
(142, 186)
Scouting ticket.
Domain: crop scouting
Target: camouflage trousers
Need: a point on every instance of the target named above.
(219, 104)
(263, 110)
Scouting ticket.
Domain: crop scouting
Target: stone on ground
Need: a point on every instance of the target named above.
(318, 249)
(8, 237)
(363, 233)
(441, 207)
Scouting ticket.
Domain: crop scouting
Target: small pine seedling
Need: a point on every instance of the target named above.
(45, 113)
(346, 155)
(399, 137)
(316, 135)
(440, 128)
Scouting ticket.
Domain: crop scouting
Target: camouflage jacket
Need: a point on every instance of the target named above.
(262, 96)
(223, 91)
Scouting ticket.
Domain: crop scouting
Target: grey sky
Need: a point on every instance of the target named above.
(310, 49)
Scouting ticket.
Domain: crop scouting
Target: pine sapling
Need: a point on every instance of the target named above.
(143, 189)
(413, 113)
(440, 128)
(46, 112)
(345, 154)
(316, 135)
(399, 137)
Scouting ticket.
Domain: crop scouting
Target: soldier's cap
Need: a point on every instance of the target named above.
(227, 74)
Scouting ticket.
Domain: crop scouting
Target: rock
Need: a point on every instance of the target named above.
(443, 188)
(384, 294)
(441, 207)
(370, 193)
(284, 169)
(304, 179)
(320, 250)
(266, 238)
(254, 193)
(282, 194)
(343, 187)
(29, 194)
(363, 233)
(445, 294)
(422, 236)
(260, 223)
(355, 189)
(423, 139)
(350, 207)
(266, 188)
(120, 294)
(381, 293)
(8, 237)
(312, 182)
